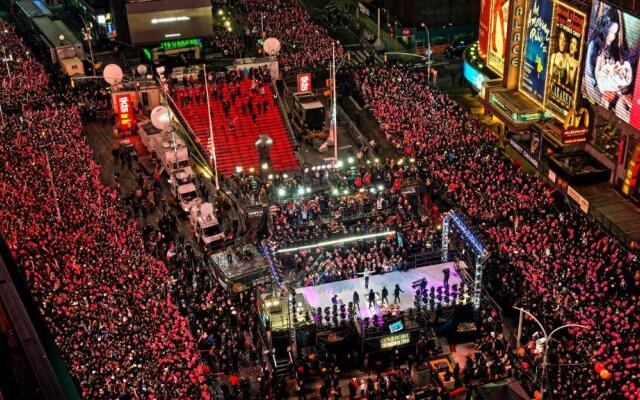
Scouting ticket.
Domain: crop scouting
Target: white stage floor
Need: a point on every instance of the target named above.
(320, 296)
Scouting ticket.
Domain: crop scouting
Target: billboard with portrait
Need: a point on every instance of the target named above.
(536, 48)
(498, 26)
(565, 55)
(483, 27)
(611, 63)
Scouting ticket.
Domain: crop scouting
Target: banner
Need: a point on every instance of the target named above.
(124, 103)
(304, 83)
(483, 28)
(567, 34)
(536, 49)
(498, 35)
(611, 63)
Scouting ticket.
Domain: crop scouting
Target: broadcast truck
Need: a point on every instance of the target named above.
(184, 189)
(172, 156)
(205, 226)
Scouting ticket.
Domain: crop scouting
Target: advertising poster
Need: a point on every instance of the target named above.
(565, 55)
(611, 63)
(498, 35)
(483, 27)
(536, 48)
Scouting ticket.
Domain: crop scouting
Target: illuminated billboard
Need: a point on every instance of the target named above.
(565, 55)
(497, 46)
(536, 49)
(611, 63)
(483, 27)
(161, 20)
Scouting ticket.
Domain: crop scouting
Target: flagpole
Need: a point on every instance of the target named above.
(213, 146)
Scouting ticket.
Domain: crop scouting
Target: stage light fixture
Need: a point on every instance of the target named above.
(337, 241)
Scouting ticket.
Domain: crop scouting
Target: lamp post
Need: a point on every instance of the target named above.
(545, 351)
(428, 53)
(86, 32)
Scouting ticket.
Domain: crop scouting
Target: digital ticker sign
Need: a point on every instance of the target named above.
(611, 63)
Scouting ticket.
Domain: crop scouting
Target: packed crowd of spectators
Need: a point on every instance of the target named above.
(304, 45)
(571, 271)
(105, 299)
(23, 79)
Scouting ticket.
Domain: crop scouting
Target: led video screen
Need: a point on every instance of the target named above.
(565, 55)
(161, 20)
(611, 64)
(536, 49)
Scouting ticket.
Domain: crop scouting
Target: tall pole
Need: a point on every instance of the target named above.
(545, 355)
(6, 61)
(87, 37)
(53, 186)
(213, 146)
(334, 111)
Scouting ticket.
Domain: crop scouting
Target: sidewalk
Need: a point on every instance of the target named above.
(618, 215)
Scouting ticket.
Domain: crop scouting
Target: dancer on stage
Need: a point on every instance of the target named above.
(372, 298)
(385, 296)
(396, 294)
(356, 299)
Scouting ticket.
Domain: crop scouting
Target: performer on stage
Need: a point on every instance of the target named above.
(372, 298)
(385, 296)
(446, 273)
(356, 299)
(396, 294)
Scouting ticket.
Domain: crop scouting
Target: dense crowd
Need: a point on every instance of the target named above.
(572, 271)
(105, 299)
(304, 45)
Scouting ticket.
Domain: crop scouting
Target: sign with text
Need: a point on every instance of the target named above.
(499, 24)
(483, 28)
(124, 104)
(536, 49)
(567, 35)
(576, 126)
(611, 64)
(516, 33)
(391, 341)
(304, 83)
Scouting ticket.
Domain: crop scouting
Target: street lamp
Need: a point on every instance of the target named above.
(86, 33)
(545, 351)
(428, 53)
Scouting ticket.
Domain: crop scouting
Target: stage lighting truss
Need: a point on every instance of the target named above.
(453, 218)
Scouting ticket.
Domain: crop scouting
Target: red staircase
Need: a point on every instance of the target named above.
(235, 146)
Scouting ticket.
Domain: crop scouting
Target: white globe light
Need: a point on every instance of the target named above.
(271, 46)
(113, 74)
(142, 69)
(161, 118)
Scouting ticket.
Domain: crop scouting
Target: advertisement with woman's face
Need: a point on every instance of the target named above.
(498, 35)
(612, 60)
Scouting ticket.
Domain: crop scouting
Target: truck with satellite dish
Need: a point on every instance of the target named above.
(205, 226)
(170, 151)
(184, 190)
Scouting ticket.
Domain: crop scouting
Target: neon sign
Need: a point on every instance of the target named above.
(125, 111)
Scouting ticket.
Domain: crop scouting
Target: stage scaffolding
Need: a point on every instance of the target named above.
(455, 219)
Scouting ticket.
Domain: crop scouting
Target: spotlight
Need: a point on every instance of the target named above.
(282, 192)
(351, 160)
(238, 169)
(265, 166)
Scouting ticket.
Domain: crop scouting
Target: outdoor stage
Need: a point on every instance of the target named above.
(320, 296)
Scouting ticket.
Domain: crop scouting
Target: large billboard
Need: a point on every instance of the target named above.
(498, 42)
(611, 63)
(536, 49)
(565, 55)
(483, 28)
(157, 21)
